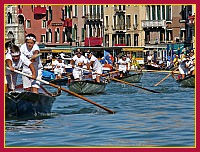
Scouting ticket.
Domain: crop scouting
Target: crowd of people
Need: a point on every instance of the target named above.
(27, 57)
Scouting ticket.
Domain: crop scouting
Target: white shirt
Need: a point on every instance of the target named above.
(29, 53)
(78, 60)
(23, 61)
(96, 65)
(122, 64)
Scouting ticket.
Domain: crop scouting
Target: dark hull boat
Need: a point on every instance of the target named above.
(87, 87)
(25, 104)
(50, 77)
(151, 67)
(189, 81)
(132, 78)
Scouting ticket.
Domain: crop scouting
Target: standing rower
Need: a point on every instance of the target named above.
(31, 50)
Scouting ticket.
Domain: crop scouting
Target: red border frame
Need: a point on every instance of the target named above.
(2, 149)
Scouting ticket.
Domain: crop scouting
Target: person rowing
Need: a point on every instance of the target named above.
(77, 62)
(31, 50)
(94, 66)
(14, 60)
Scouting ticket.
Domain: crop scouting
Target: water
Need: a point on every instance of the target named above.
(142, 118)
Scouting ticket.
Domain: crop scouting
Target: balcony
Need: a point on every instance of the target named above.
(153, 23)
(93, 41)
(39, 10)
(67, 22)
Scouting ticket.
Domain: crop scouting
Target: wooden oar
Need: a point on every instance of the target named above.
(68, 91)
(114, 79)
(165, 77)
(159, 71)
(162, 79)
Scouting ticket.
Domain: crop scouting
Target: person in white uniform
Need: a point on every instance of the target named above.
(122, 66)
(14, 60)
(77, 62)
(59, 68)
(31, 50)
(94, 64)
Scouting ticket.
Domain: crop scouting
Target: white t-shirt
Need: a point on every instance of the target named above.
(23, 61)
(122, 65)
(29, 53)
(96, 65)
(78, 60)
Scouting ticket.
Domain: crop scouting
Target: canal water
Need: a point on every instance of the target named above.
(142, 118)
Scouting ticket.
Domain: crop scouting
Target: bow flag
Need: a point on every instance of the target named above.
(107, 57)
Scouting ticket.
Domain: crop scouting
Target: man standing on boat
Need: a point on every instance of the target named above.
(31, 50)
(93, 62)
(59, 68)
(77, 63)
(14, 60)
(122, 66)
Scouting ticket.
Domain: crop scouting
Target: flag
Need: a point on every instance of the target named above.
(107, 57)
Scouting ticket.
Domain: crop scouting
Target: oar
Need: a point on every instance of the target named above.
(159, 71)
(133, 85)
(68, 91)
(165, 78)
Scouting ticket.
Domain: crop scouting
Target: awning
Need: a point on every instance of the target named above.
(59, 51)
(133, 49)
(40, 10)
(93, 41)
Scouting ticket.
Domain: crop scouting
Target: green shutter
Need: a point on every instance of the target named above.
(73, 34)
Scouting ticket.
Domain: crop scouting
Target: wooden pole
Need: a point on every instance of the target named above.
(114, 79)
(68, 91)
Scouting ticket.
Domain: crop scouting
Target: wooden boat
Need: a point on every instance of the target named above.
(50, 77)
(151, 67)
(87, 87)
(132, 78)
(188, 81)
(25, 104)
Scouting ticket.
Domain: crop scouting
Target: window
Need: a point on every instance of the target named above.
(128, 21)
(114, 22)
(163, 12)
(148, 17)
(153, 12)
(84, 10)
(169, 35)
(83, 34)
(49, 35)
(43, 23)
(158, 12)
(136, 39)
(57, 35)
(9, 18)
(94, 11)
(76, 10)
(98, 11)
(135, 21)
(182, 35)
(106, 23)
(28, 24)
(43, 38)
(168, 13)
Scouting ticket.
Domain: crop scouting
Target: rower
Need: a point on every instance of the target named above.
(94, 66)
(14, 60)
(31, 50)
(122, 66)
(77, 62)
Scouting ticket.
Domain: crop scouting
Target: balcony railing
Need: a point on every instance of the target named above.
(153, 23)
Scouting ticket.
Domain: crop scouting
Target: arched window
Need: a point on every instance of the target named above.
(9, 16)
(49, 35)
(57, 35)
(21, 19)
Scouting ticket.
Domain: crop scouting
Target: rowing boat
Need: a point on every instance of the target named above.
(87, 87)
(50, 77)
(188, 81)
(19, 104)
(132, 78)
